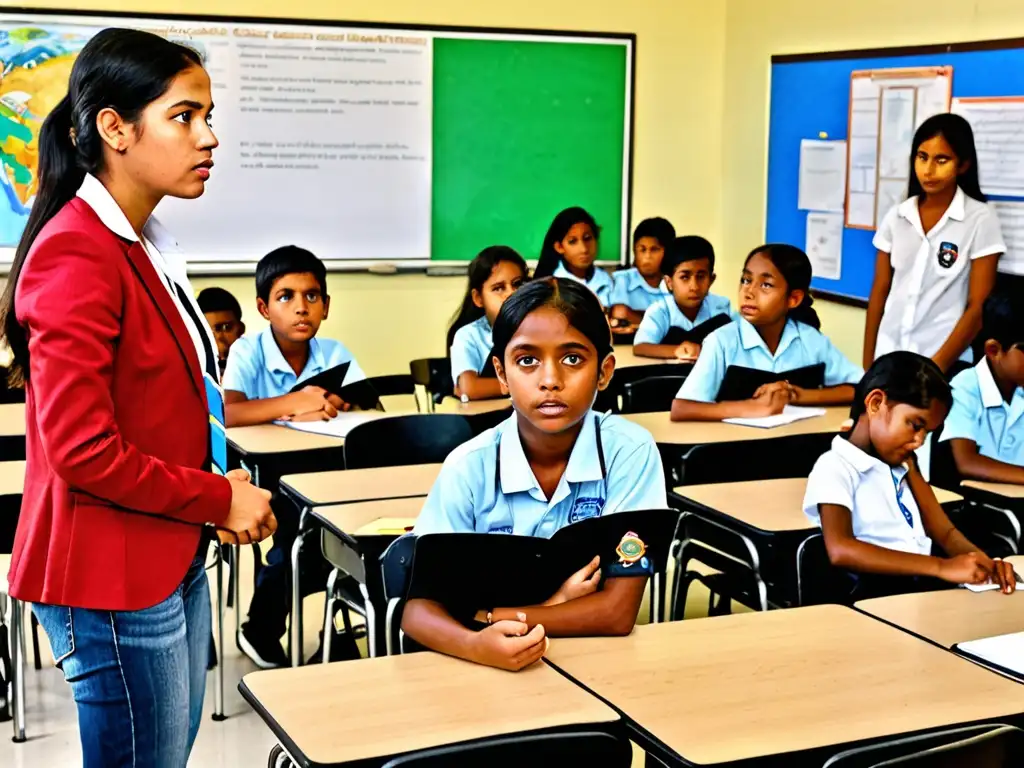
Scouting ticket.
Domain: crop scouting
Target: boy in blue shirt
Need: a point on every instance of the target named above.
(689, 270)
(262, 369)
(986, 423)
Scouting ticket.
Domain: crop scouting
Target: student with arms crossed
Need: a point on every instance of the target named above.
(689, 273)
(636, 288)
(552, 463)
(986, 422)
(877, 513)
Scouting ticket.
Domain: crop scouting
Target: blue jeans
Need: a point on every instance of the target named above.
(138, 677)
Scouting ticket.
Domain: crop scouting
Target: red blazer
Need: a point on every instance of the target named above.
(117, 426)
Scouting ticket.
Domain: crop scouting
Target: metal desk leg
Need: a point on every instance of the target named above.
(18, 669)
(332, 582)
(218, 673)
(236, 581)
(295, 627)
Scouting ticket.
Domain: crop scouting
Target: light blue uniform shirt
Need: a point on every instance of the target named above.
(981, 415)
(740, 344)
(470, 347)
(257, 368)
(630, 288)
(487, 485)
(665, 314)
(600, 282)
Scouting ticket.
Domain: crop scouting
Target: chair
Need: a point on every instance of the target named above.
(434, 374)
(592, 748)
(404, 440)
(395, 567)
(977, 746)
(651, 394)
(395, 385)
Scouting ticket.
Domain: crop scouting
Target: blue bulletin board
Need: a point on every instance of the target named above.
(810, 94)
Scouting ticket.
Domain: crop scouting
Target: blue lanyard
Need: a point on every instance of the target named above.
(900, 488)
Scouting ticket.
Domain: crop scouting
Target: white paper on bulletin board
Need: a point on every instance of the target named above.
(998, 125)
(822, 185)
(824, 244)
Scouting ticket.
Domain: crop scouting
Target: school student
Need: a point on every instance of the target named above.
(640, 286)
(569, 251)
(877, 513)
(263, 368)
(938, 252)
(224, 314)
(494, 275)
(986, 422)
(689, 272)
(553, 463)
(777, 330)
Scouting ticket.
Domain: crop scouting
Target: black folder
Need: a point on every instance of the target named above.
(467, 572)
(741, 383)
(488, 372)
(698, 333)
(361, 394)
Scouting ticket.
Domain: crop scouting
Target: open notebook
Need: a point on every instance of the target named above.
(1004, 653)
(789, 414)
(339, 426)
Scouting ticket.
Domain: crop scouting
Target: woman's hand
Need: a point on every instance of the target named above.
(250, 517)
(584, 582)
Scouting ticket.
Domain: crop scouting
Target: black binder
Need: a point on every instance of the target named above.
(488, 372)
(698, 333)
(467, 572)
(741, 383)
(361, 394)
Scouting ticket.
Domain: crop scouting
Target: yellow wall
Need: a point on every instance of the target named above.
(387, 321)
(755, 30)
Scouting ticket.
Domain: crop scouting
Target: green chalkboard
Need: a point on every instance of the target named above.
(521, 131)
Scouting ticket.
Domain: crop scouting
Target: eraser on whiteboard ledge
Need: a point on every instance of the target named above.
(382, 268)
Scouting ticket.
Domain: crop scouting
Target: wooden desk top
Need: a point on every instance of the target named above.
(625, 358)
(12, 420)
(12, 478)
(1006, 490)
(271, 438)
(952, 616)
(737, 687)
(346, 486)
(374, 708)
(769, 505)
(703, 432)
(355, 519)
(473, 407)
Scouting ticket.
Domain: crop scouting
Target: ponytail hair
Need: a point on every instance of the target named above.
(480, 269)
(795, 268)
(904, 377)
(563, 222)
(120, 69)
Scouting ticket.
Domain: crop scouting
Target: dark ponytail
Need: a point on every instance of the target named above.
(563, 222)
(120, 69)
(904, 377)
(480, 269)
(795, 268)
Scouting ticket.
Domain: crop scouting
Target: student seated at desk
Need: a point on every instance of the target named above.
(569, 251)
(777, 331)
(689, 270)
(224, 316)
(878, 515)
(636, 288)
(291, 290)
(986, 423)
(494, 275)
(553, 463)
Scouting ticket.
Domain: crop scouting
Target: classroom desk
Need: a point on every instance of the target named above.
(319, 489)
(12, 477)
(760, 524)
(269, 451)
(805, 682)
(625, 358)
(952, 616)
(12, 432)
(1003, 491)
(373, 709)
(473, 407)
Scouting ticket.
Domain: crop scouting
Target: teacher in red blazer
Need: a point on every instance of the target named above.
(121, 377)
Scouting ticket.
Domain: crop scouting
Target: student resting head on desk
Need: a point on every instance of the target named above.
(553, 463)
(777, 331)
(291, 291)
(224, 315)
(636, 288)
(569, 251)
(689, 273)
(878, 515)
(986, 423)
(495, 274)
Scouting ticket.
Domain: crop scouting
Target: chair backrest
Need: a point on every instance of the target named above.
(481, 422)
(402, 440)
(943, 472)
(594, 748)
(977, 746)
(651, 394)
(393, 384)
(396, 565)
(433, 374)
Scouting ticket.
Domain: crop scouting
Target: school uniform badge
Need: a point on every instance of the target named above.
(630, 550)
(948, 253)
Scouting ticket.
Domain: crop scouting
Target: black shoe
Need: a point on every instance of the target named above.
(343, 648)
(266, 652)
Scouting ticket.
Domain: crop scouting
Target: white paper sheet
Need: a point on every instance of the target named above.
(896, 132)
(822, 175)
(790, 414)
(891, 192)
(1011, 222)
(1006, 651)
(999, 138)
(824, 244)
(339, 426)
